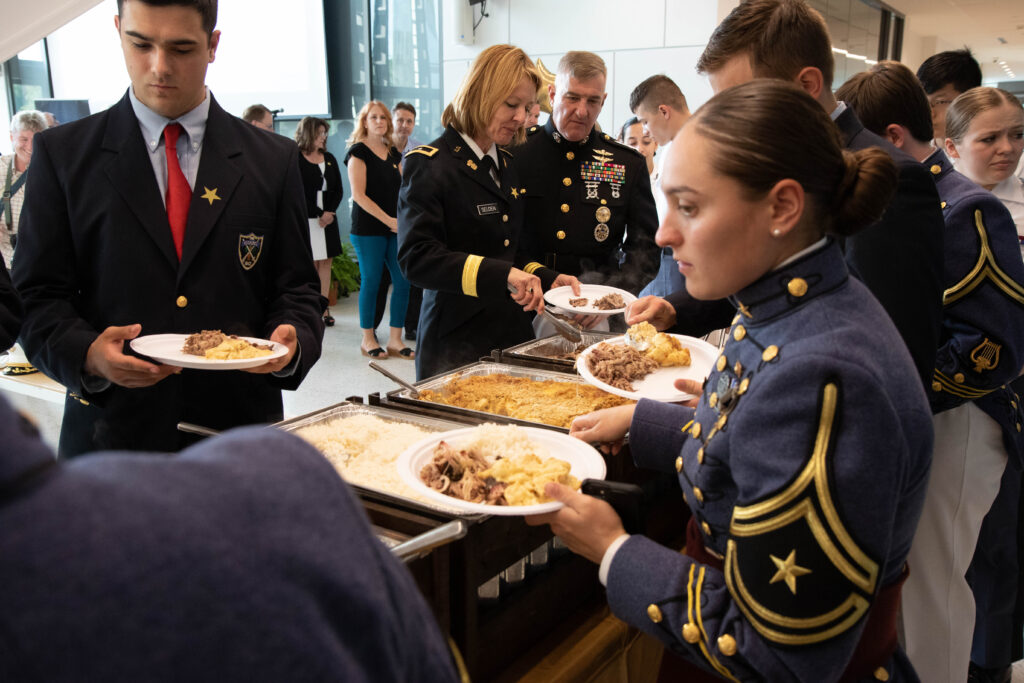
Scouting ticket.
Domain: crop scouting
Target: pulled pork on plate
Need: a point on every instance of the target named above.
(619, 365)
(610, 302)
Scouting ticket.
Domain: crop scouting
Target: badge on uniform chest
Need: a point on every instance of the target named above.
(601, 170)
(486, 209)
(249, 249)
(727, 391)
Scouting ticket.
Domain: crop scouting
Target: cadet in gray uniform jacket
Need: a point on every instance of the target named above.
(805, 460)
(244, 558)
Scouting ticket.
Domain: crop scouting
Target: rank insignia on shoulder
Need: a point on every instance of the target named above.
(791, 565)
(425, 150)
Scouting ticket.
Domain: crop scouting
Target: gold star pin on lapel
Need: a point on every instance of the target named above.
(515, 193)
(789, 570)
(210, 195)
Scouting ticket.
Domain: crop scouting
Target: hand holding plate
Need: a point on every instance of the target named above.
(586, 524)
(284, 335)
(651, 309)
(106, 358)
(564, 280)
(606, 427)
(690, 386)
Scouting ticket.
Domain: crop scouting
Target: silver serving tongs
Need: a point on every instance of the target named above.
(395, 378)
(563, 327)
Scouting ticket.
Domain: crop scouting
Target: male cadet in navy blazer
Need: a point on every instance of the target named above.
(98, 264)
(10, 310)
(244, 558)
(899, 258)
(976, 468)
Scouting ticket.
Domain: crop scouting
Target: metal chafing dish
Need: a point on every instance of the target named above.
(488, 579)
(549, 353)
(351, 409)
(481, 368)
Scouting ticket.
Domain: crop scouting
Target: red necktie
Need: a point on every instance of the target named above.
(179, 194)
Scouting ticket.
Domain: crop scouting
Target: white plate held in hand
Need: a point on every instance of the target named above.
(559, 299)
(166, 349)
(584, 463)
(659, 385)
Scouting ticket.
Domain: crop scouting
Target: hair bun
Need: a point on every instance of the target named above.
(863, 192)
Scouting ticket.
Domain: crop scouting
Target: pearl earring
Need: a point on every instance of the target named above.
(776, 232)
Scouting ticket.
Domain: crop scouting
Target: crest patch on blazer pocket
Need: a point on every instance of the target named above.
(250, 247)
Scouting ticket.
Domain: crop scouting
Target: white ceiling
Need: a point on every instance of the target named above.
(978, 24)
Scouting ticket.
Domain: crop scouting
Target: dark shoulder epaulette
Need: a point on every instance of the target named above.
(609, 140)
(533, 130)
(425, 150)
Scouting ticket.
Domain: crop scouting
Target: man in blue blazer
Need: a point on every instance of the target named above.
(121, 238)
(900, 257)
(10, 310)
(244, 558)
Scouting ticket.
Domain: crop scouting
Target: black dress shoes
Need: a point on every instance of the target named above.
(979, 674)
(410, 334)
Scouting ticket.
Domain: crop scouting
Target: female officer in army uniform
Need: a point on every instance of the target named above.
(805, 460)
(460, 216)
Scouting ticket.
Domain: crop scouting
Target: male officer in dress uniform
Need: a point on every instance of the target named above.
(976, 464)
(588, 198)
(244, 558)
(124, 238)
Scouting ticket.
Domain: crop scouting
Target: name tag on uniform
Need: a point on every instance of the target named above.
(486, 209)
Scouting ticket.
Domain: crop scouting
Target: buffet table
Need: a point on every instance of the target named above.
(517, 603)
(35, 385)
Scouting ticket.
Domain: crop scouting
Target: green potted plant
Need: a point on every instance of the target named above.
(344, 273)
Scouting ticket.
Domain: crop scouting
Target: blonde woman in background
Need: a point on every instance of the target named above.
(460, 216)
(375, 176)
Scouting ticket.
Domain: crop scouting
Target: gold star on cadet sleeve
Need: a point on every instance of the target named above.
(788, 570)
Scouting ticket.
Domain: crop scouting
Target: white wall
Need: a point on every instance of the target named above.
(636, 40)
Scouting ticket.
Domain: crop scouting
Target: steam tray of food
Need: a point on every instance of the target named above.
(556, 350)
(524, 395)
(363, 444)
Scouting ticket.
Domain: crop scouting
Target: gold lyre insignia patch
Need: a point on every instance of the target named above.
(986, 355)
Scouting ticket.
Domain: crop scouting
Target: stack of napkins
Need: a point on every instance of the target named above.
(17, 362)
